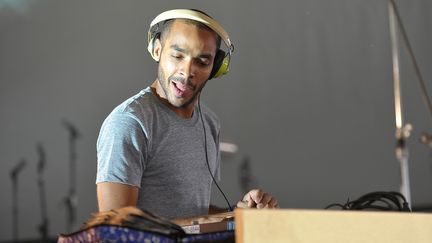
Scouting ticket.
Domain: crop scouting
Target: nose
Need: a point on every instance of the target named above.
(187, 69)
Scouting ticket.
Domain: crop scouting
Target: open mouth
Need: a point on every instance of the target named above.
(180, 90)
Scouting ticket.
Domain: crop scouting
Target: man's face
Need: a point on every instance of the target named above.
(185, 62)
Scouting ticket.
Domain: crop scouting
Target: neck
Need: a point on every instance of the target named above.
(183, 111)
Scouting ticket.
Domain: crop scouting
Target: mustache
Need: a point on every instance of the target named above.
(178, 79)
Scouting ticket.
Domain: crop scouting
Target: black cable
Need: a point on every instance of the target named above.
(333, 205)
(380, 200)
(208, 165)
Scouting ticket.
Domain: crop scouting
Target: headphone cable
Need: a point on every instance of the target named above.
(206, 155)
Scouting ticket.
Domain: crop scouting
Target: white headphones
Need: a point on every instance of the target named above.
(222, 59)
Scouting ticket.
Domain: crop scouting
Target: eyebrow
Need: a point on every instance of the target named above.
(182, 50)
(178, 48)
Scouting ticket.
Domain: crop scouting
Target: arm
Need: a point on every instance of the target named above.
(112, 195)
(120, 158)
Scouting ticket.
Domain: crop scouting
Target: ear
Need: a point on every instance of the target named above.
(157, 50)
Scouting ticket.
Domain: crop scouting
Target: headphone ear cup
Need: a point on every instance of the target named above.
(220, 65)
(151, 43)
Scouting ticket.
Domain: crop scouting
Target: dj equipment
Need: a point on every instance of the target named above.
(303, 225)
(222, 58)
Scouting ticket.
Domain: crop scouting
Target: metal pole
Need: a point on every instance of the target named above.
(15, 212)
(15, 209)
(71, 201)
(402, 131)
(43, 227)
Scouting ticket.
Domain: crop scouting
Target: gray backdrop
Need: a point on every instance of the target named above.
(309, 98)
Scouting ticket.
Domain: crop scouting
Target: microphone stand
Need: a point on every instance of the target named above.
(71, 201)
(43, 227)
(14, 176)
(403, 131)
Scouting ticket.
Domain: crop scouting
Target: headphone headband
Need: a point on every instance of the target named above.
(193, 15)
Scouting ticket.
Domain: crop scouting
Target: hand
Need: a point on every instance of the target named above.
(257, 198)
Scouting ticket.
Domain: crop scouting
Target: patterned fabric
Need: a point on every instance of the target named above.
(123, 234)
(114, 234)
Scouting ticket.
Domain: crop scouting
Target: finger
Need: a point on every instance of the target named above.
(255, 195)
(251, 204)
(242, 204)
(264, 201)
(250, 195)
(273, 203)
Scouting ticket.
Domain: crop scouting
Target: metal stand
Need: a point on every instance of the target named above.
(71, 201)
(43, 227)
(15, 212)
(402, 132)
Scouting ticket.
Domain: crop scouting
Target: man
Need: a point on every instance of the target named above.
(159, 149)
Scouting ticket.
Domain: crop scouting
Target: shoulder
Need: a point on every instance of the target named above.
(140, 107)
(133, 113)
(136, 104)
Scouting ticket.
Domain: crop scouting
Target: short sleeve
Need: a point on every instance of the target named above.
(121, 150)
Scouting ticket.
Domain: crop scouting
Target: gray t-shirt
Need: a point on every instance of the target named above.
(145, 144)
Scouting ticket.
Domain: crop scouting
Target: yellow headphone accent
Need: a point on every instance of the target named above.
(222, 59)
